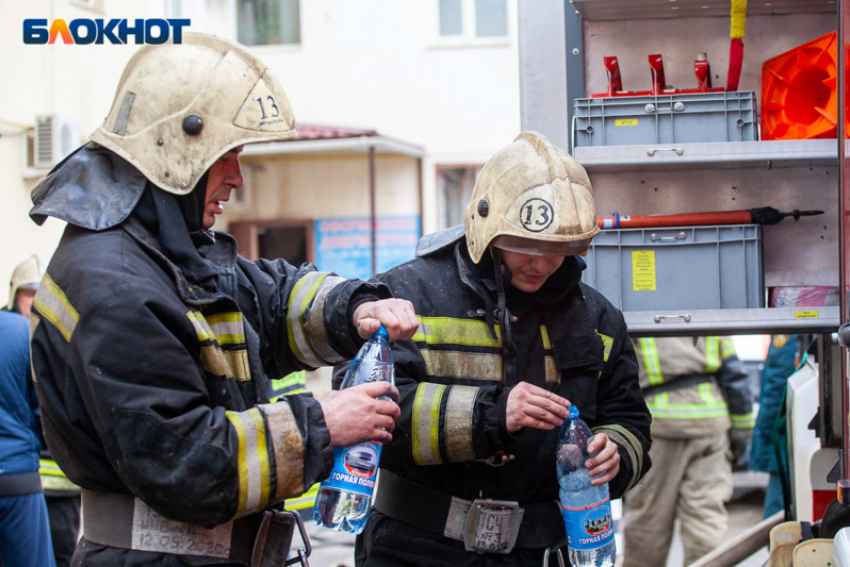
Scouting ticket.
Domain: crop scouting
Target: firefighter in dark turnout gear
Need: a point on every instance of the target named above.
(152, 340)
(508, 337)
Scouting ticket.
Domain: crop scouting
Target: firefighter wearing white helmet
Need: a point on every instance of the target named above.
(25, 280)
(509, 337)
(153, 342)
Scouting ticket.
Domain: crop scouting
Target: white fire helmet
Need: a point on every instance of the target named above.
(180, 107)
(531, 197)
(27, 275)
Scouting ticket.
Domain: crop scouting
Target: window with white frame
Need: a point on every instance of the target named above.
(268, 22)
(474, 18)
(456, 183)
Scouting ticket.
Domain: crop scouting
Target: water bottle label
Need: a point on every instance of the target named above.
(589, 527)
(355, 468)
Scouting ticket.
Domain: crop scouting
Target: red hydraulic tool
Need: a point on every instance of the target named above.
(762, 215)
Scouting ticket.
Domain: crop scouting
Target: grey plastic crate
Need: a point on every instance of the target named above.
(665, 119)
(704, 267)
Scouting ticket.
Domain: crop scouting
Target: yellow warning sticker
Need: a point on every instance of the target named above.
(626, 122)
(643, 270)
(806, 314)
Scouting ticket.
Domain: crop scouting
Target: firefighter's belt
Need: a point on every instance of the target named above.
(679, 383)
(485, 526)
(258, 540)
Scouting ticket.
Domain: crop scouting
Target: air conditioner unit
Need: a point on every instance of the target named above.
(56, 136)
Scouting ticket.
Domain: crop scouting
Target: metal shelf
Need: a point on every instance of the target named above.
(639, 9)
(725, 155)
(684, 322)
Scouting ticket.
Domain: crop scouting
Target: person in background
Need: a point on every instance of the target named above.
(24, 528)
(702, 421)
(783, 355)
(62, 495)
(25, 279)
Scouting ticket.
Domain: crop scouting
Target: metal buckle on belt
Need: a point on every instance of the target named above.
(492, 526)
(274, 537)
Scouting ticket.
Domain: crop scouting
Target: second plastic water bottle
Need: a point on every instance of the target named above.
(586, 508)
(345, 498)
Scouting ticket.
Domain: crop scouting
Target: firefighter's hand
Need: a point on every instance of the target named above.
(532, 406)
(605, 463)
(396, 315)
(355, 415)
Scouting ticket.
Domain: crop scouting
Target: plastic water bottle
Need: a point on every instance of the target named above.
(345, 498)
(586, 508)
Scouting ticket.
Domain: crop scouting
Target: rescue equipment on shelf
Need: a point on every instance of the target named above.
(799, 92)
(761, 215)
(736, 49)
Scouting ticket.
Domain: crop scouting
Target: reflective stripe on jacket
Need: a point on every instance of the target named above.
(722, 399)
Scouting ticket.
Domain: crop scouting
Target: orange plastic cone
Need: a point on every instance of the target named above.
(799, 92)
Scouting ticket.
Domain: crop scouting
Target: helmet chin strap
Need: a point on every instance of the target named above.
(192, 206)
(502, 276)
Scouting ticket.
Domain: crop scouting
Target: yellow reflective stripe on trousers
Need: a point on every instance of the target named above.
(650, 361)
(712, 354)
(303, 502)
(426, 424)
(747, 421)
(302, 293)
(53, 479)
(452, 331)
(52, 304)
(252, 460)
(660, 406)
(459, 410)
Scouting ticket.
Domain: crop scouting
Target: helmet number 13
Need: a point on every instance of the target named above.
(272, 103)
(536, 215)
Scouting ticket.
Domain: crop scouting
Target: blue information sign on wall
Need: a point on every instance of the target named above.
(343, 245)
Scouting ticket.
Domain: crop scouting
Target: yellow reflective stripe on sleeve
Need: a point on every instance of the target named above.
(252, 460)
(452, 331)
(459, 409)
(299, 301)
(315, 324)
(52, 304)
(727, 348)
(626, 439)
(712, 354)
(288, 447)
(650, 360)
(607, 345)
(747, 421)
(426, 424)
(303, 502)
(467, 365)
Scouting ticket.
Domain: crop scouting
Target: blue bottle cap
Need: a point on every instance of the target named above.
(573, 411)
(382, 331)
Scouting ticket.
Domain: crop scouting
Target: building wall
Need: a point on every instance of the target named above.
(382, 67)
(306, 188)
